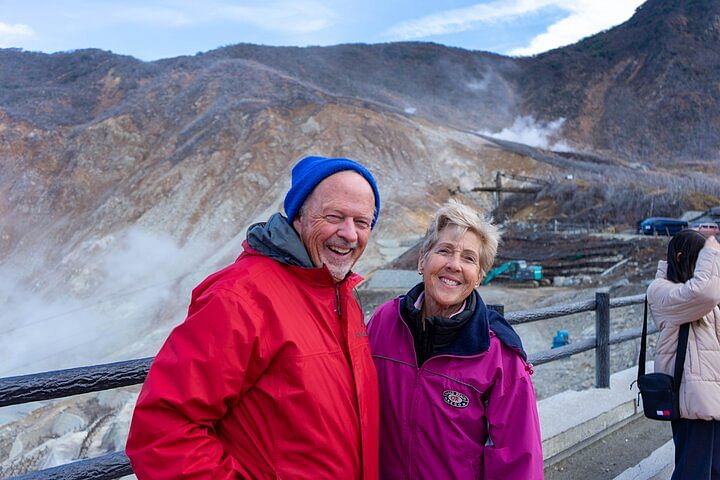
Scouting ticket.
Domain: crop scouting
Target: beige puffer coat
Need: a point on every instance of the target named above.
(695, 301)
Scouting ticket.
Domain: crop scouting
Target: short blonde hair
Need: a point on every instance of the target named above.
(467, 219)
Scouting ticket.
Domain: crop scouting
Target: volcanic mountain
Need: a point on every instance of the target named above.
(196, 148)
(646, 90)
(123, 183)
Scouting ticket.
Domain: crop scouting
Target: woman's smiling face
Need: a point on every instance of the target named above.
(451, 270)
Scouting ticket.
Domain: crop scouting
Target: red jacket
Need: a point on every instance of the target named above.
(270, 376)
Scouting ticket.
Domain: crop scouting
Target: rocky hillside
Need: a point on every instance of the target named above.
(643, 91)
(171, 159)
(646, 90)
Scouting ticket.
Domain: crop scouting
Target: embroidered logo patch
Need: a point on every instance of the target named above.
(455, 399)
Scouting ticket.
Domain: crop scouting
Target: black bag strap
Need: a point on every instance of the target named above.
(681, 350)
(680, 357)
(643, 344)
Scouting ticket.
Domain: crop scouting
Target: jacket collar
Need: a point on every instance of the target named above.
(278, 240)
(473, 336)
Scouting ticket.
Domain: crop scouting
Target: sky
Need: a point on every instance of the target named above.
(154, 29)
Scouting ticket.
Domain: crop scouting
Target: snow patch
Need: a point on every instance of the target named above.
(63, 450)
(66, 423)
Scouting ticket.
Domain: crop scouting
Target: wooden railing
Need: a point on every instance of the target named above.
(74, 381)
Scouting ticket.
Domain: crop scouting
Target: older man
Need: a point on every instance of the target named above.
(270, 375)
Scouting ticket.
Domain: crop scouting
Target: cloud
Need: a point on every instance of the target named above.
(283, 16)
(528, 131)
(9, 33)
(585, 17)
(286, 16)
(157, 16)
(462, 19)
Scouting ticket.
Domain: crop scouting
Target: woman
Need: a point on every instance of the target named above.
(686, 289)
(455, 391)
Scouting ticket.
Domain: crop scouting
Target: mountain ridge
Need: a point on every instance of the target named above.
(643, 90)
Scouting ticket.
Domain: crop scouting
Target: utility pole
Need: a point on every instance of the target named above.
(498, 194)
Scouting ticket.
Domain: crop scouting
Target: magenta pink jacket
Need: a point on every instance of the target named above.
(471, 414)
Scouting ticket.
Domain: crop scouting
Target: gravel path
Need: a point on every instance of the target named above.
(615, 453)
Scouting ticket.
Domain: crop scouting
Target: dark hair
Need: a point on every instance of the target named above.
(688, 243)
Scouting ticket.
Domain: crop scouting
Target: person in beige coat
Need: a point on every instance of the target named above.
(686, 289)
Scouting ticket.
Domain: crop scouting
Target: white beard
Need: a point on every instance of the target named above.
(338, 272)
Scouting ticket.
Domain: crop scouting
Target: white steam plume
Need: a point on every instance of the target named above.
(527, 130)
(121, 286)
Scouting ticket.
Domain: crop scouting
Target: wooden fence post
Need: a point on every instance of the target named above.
(602, 340)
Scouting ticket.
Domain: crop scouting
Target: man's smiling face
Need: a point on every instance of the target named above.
(334, 222)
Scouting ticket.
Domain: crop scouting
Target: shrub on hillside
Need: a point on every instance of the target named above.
(621, 196)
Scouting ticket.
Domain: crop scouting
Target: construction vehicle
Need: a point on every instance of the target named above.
(516, 271)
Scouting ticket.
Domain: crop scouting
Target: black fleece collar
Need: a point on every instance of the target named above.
(464, 334)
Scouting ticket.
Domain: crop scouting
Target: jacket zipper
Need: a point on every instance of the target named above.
(412, 423)
(338, 306)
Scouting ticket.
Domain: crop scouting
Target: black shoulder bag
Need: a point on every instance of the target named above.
(661, 392)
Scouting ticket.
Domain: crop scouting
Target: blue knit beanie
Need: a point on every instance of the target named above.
(310, 171)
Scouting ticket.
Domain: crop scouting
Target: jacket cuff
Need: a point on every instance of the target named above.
(709, 261)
